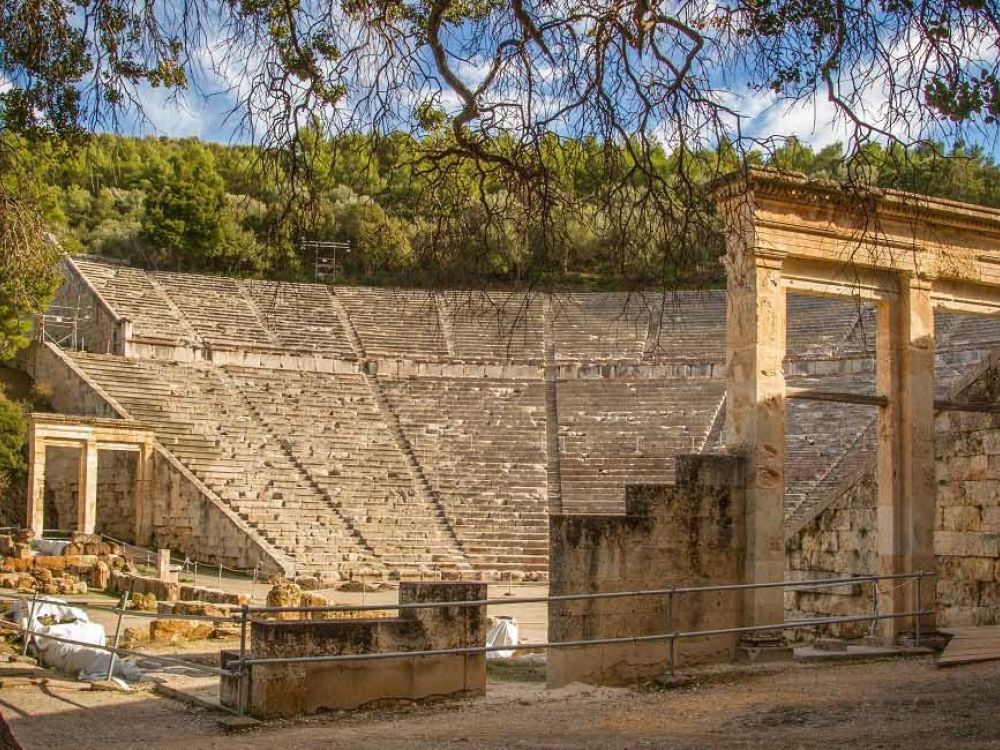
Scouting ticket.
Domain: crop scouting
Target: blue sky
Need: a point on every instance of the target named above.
(203, 113)
(205, 116)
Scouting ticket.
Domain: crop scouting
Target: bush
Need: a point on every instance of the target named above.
(13, 464)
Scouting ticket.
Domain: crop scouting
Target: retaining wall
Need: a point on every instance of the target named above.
(687, 534)
(285, 690)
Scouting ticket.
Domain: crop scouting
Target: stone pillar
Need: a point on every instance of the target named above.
(124, 335)
(142, 512)
(755, 419)
(86, 510)
(36, 482)
(163, 571)
(906, 483)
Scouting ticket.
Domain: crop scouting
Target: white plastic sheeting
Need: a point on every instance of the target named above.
(503, 632)
(55, 617)
(50, 546)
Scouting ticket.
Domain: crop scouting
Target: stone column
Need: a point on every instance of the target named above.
(142, 516)
(36, 482)
(86, 509)
(755, 420)
(906, 482)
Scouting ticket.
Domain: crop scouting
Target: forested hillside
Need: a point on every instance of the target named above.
(190, 205)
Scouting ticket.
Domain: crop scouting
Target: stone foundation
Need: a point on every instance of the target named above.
(285, 690)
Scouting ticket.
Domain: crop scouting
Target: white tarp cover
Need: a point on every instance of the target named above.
(503, 632)
(50, 546)
(72, 623)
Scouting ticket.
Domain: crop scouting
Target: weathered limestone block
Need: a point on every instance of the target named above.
(967, 544)
(100, 576)
(143, 601)
(179, 630)
(53, 562)
(17, 564)
(285, 594)
(690, 533)
(961, 518)
(288, 690)
(216, 596)
(309, 599)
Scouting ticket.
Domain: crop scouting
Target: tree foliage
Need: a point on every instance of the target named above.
(183, 204)
(522, 125)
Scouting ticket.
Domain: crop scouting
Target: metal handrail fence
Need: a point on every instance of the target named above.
(669, 592)
(239, 668)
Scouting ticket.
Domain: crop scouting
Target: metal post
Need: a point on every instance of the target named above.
(118, 633)
(244, 672)
(195, 572)
(220, 575)
(670, 627)
(31, 619)
(873, 628)
(919, 608)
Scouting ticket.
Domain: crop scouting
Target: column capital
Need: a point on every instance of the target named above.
(919, 281)
(766, 258)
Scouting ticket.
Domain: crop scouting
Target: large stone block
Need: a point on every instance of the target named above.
(967, 544)
(961, 518)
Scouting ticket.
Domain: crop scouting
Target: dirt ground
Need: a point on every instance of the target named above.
(902, 703)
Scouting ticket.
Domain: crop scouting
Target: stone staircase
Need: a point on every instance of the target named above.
(613, 432)
(208, 427)
(481, 444)
(394, 322)
(492, 325)
(215, 307)
(300, 317)
(338, 436)
(133, 295)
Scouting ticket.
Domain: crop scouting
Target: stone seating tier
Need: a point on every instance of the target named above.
(492, 326)
(481, 444)
(340, 470)
(209, 429)
(617, 432)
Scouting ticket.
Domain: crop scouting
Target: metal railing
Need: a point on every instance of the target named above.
(670, 592)
(239, 668)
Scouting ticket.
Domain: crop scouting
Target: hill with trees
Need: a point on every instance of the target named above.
(195, 206)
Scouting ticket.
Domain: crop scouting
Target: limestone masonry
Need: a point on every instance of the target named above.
(339, 430)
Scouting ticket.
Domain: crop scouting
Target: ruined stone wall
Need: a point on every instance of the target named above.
(690, 533)
(285, 690)
(98, 329)
(184, 518)
(115, 491)
(967, 537)
(841, 540)
(65, 388)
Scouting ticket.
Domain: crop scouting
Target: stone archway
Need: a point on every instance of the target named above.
(909, 255)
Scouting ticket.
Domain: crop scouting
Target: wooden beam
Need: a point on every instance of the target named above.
(812, 394)
(983, 408)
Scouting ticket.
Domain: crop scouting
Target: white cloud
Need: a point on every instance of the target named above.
(170, 115)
